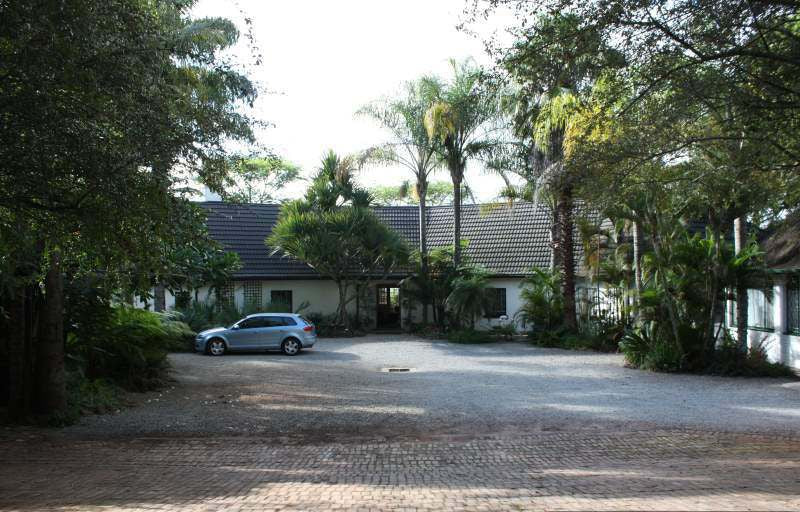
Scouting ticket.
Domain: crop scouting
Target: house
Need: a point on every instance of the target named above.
(507, 240)
(774, 312)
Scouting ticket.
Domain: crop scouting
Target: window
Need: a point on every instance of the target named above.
(273, 321)
(759, 310)
(253, 323)
(225, 294)
(281, 300)
(252, 294)
(287, 320)
(257, 322)
(495, 302)
(793, 305)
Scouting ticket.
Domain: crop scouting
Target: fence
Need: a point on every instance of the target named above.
(597, 306)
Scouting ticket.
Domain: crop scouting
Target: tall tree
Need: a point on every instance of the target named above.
(258, 179)
(334, 231)
(464, 120)
(410, 147)
(99, 101)
(550, 82)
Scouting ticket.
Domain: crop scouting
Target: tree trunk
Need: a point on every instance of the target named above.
(567, 256)
(19, 333)
(739, 241)
(51, 394)
(422, 193)
(343, 319)
(637, 258)
(457, 178)
(159, 298)
(555, 241)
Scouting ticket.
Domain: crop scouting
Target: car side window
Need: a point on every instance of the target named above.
(272, 321)
(250, 323)
(287, 320)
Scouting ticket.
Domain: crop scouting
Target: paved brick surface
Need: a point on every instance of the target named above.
(600, 470)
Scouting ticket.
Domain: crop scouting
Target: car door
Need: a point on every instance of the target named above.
(274, 330)
(243, 335)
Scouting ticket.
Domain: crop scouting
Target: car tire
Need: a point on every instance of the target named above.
(291, 346)
(216, 347)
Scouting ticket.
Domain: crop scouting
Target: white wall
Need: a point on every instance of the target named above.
(322, 295)
(780, 346)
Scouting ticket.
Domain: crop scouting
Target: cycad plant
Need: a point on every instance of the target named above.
(469, 299)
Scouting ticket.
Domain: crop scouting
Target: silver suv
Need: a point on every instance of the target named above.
(286, 332)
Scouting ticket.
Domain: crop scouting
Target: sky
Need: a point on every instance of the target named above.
(322, 60)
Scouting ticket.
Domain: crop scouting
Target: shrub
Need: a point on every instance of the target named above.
(430, 331)
(648, 349)
(730, 361)
(130, 349)
(542, 301)
(504, 331)
(469, 336)
(562, 338)
(327, 326)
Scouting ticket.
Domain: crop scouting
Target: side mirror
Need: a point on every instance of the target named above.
(235, 327)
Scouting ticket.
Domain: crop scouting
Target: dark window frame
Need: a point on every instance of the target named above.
(793, 305)
(290, 303)
(763, 303)
(498, 304)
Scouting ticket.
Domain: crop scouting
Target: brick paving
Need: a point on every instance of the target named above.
(596, 470)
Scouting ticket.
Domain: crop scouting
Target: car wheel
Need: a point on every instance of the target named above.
(291, 346)
(215, 347)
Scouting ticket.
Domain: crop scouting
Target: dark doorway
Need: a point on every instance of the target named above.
(388, 316)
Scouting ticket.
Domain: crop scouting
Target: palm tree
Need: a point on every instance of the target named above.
(550, 121)
(411, 148)
(462, 120)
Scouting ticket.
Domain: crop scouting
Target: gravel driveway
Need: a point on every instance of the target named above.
(339, 388)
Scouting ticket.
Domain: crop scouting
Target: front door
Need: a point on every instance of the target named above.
(388, 314)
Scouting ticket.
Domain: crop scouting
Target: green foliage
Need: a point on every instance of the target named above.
(329, 326)
(130, 348)
(108, 109)
(255, 180)
(469, 336)
(730, 360)
(438, 193)
(504, 331)
(468, 298)
(335, 214)
(542, 300)
(562, 338)
(649, 349)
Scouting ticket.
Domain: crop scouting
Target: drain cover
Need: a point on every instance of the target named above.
(397, 369)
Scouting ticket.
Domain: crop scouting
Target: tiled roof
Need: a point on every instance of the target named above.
(507, 240)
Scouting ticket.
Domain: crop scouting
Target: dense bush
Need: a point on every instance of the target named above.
(328, 326)
(729, 360)
(645, 349)
(504, 331)
(128, 348)
(542, 305)
(562, 338)
(470, 336)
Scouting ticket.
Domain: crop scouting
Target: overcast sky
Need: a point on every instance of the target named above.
(323, 59)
